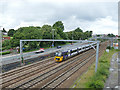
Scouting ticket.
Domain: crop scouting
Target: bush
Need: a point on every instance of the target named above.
(7, 52)
(97, 76)
(105, 65)
(109, 47)
(103, 71)
(96, 84)
(8, 47)
(103, 61)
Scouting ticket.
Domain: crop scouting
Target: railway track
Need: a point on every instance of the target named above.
(82, 70)
(25, 74)
(43, 77)
(65, 75)
(38, 77)
(24, 68)
(62, 77)
(11, 78)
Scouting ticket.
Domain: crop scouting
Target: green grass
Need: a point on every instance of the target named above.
(11, 37)
(5, 35)
(90, 79)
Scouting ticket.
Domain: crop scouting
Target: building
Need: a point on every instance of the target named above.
(115, 45)
(5, 38)
(4, 33)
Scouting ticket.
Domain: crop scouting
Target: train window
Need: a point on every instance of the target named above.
(68, 53)
(65, 53)
(74, 51)
(58, 54)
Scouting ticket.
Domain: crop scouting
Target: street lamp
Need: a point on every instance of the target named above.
(53, 37)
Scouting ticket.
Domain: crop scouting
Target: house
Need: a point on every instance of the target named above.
(4, 33)
(5, 38)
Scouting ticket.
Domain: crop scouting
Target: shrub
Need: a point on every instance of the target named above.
(103, 71)
(96, 84)
(7, 52)
(103, 61)
(98, 76)
(108, 47)
(105, 65)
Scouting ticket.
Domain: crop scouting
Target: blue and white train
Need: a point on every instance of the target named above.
(64, 54)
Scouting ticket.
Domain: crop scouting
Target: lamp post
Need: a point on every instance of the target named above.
(53, 37)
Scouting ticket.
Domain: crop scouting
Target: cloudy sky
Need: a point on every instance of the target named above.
(100, 17)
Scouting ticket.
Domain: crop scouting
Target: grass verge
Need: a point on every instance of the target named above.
(90, 79)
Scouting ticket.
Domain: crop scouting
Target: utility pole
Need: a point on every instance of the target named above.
(72, 37)
(97, 56)
(53, 37)
(21, 53)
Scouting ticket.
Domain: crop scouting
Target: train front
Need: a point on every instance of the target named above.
(58, 56)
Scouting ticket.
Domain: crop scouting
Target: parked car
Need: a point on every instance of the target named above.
(58, 47)
(40, 51)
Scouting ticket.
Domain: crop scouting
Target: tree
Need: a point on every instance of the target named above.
(78, 30)
(11, 32)
(14, 42)
(111, 35)
(4, 30)
(19, 35)
(47, 28)
(59, 24)
(6, 43)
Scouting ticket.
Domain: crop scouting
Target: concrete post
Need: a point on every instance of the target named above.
(97, 54)
(53, 37)
(21, 53)
(111, 42)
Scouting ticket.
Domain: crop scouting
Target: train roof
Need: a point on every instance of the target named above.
(73, 47)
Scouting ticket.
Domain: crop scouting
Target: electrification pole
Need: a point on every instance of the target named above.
(21, 53)
(53, 37)
(72, 37)
(97, 55)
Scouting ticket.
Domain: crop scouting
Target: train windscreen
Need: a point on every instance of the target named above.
(58, 54)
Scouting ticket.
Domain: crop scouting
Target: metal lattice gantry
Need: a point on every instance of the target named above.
(21, 45)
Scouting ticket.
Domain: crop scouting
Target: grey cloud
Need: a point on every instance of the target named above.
(47, 12)
(85, 11)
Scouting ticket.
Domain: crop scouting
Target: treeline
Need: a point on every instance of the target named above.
(44, 32)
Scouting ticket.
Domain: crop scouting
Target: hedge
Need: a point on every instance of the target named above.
(4, 53)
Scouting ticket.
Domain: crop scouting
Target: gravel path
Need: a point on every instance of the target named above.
(112, 81)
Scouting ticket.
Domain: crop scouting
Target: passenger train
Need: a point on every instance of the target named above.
(65, 54)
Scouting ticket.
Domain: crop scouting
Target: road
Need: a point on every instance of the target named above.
(28, 55)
